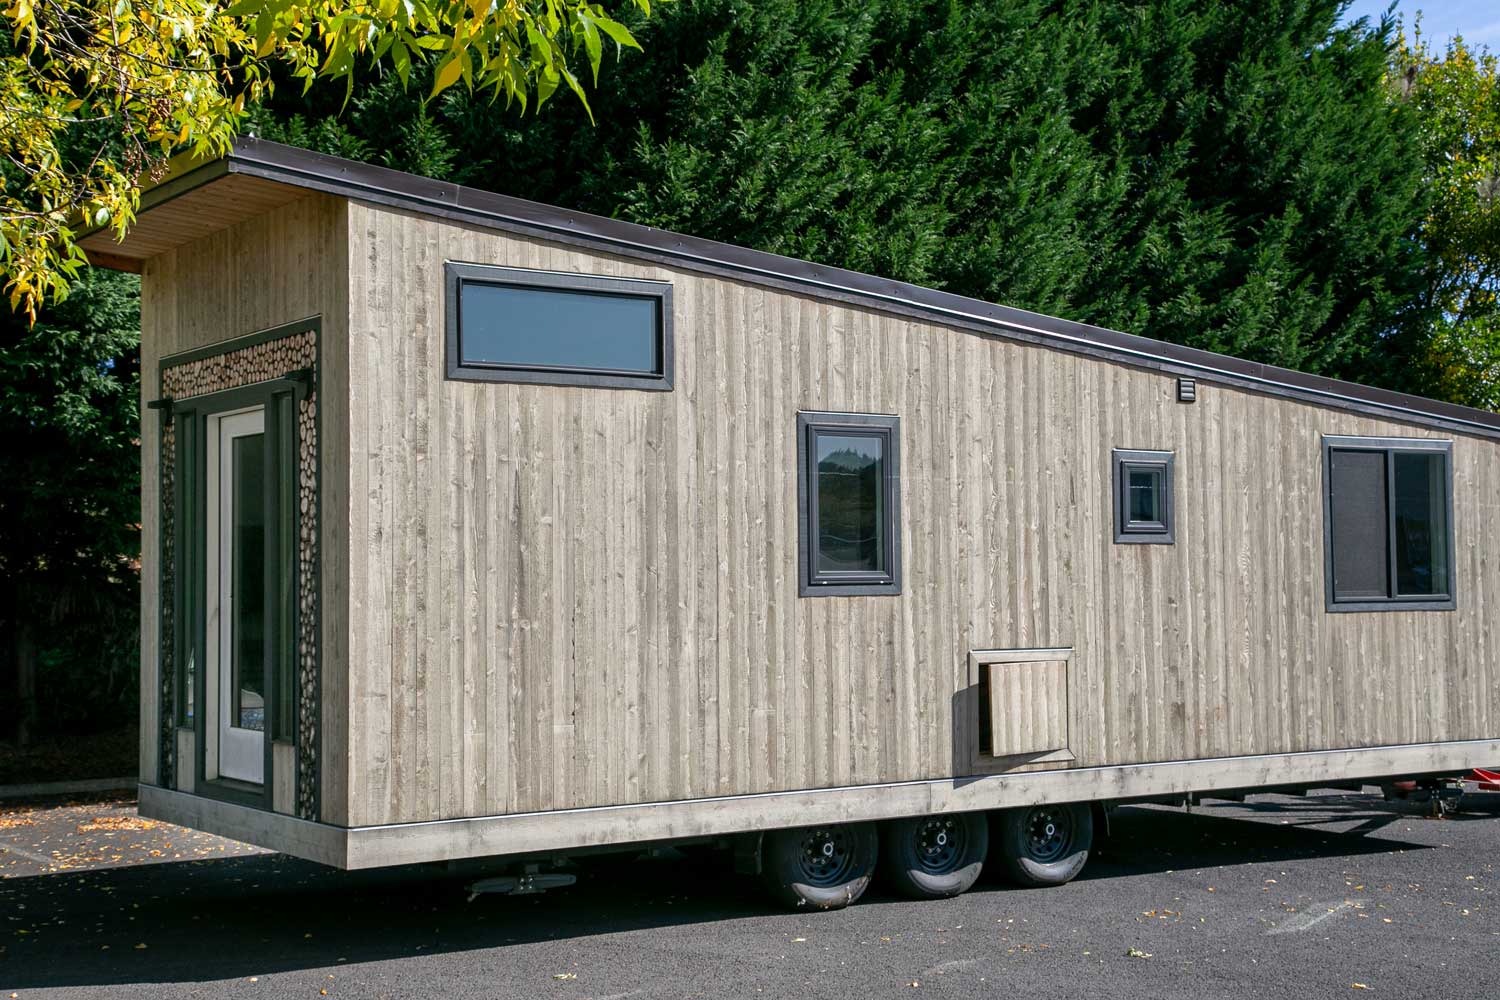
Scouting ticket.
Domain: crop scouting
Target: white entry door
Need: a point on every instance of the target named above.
(237, 525)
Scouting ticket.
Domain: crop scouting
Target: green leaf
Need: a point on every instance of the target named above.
(591, 44)
(578, 89)
(546, 84)
(401, 58)
(618, 32)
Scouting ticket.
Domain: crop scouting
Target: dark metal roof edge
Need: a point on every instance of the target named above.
(393, 188)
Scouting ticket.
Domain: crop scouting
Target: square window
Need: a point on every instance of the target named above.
(1143, 497)
(1388, 524)
(848, 490)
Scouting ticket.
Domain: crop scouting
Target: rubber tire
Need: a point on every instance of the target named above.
(780, 868)
(1012, 847)
(901, 867)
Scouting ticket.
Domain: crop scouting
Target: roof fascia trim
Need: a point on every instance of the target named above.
(443, 199)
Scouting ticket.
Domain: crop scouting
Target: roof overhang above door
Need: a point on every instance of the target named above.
(195, 199)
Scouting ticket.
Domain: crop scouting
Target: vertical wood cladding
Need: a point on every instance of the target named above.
(564, 597)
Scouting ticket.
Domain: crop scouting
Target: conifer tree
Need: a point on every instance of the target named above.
(1230, 175)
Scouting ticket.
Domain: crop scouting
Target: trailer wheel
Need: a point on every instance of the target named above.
(824, 867)
(1044, 845)
(934, 857)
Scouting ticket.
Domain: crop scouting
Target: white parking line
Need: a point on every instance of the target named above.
(1310, 917)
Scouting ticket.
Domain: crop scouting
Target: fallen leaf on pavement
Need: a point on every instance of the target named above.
(1137, 953)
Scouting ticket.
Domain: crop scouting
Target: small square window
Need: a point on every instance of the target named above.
(1143, 497)
(848, 491)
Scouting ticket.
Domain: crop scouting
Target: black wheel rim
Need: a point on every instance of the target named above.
(827, 856)
(1049, 833)
(939, 844)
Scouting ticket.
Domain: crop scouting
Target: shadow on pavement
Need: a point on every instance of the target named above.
(1146, 840)
(260, 914)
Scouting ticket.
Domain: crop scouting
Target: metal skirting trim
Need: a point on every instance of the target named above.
(274, 831)
(603, 826)
(599, 826)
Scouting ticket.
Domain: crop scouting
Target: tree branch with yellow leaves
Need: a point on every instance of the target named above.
(95, 95)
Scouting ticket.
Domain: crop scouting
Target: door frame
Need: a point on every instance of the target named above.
(279, 398)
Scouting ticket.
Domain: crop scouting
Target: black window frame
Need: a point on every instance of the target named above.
(1128, 532)
(813, 582)
(1391, 447)
(457, 274)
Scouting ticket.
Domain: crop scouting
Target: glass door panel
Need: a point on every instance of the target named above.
(237, 622)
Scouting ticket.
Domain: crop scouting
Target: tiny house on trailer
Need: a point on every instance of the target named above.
(475, 528)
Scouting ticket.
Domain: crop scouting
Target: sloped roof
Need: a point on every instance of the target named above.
(258, 176)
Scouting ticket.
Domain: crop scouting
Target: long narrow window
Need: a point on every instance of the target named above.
(849, 493)
(511, 325)
(187, 599)
(283, 424)
(1388, 524)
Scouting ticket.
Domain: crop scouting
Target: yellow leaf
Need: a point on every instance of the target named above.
(447, 75)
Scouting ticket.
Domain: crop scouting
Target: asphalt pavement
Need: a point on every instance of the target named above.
(1327, 896)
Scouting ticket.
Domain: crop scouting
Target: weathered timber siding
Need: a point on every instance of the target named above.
(285, 265)
(566, 597)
